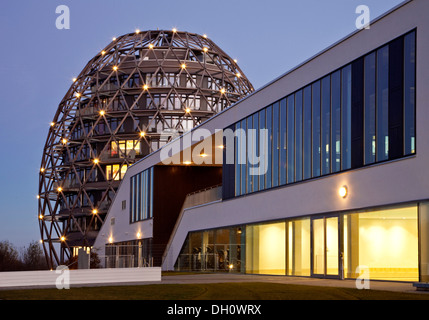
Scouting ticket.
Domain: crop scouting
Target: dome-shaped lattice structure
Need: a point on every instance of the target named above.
(127, 102)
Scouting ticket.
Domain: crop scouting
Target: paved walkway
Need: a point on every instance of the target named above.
(219, 277)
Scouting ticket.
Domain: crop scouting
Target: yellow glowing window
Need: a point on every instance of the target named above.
(115, 171)
(125, 148)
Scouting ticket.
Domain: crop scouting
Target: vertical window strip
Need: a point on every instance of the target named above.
(276, 144)
(369, 108)
(283, 141)
(298, 136)
(382, 150)
(409, 93)
(291, 139)
(326, 125)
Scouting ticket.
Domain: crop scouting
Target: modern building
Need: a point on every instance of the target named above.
(320, 173)
(139, 92)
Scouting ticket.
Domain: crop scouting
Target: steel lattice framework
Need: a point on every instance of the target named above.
(127, 102)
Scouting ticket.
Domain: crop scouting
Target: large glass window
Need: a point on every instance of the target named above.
(141, 197)
(250, 146)
(263, 125)
(299, 247)
(316, 128)
(290, 138)
(269, 118)
(310, 130)
(237, 161)
(256, 152)
(326, 125)
(369, 109)
(383, 104)
(307, 133)
(265, 248)
(384, 242)
(298, 136)
(346, 117)
(409, 93)
(336, 121)
(276, 144)
(283, 141)
(243, 157)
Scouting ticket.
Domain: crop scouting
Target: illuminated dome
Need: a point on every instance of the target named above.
(129, 100)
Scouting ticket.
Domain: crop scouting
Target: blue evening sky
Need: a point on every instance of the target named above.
(38, 62)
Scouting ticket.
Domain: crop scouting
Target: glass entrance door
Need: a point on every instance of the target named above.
(325, 247)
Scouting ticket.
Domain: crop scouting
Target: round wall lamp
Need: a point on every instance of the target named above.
(343, 191)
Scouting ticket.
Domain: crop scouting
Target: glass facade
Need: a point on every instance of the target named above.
(334, 124)
(384, 242)
(141, 196)
(213, 250)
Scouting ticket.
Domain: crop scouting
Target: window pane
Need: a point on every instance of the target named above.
(369, 109)
(270, 143)
(237, 154)
(382, 104)
(326, 125)
(346, 105)
(250, 145)
(298, 136)
(276, 144)
(307, 133)
(256, 153)
(290, 138)
(409, 93)
(316, 129)
(262, 125)
(283, 142)
(243, 162)
(265, 248)
(319, 246)
(336, 121)
(388, 243)
(300, 248)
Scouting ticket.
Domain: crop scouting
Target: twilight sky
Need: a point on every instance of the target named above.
(38, 62)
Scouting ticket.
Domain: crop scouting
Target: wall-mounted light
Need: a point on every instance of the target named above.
(110, 239)
(139, 235)
(343, 191)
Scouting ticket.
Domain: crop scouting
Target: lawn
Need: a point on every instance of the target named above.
(213, 291)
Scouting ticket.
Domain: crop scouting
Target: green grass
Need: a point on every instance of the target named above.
(214, 291)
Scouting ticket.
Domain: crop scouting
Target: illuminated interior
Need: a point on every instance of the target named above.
(265, 248)
(384, 241)
(299, 247)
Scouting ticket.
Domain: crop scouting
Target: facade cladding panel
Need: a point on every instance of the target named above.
(345, 118)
